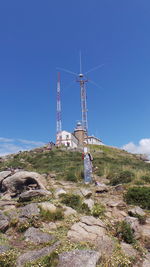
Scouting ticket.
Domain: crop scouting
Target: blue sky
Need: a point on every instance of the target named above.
(38, 36)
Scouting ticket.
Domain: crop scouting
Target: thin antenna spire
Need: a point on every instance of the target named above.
(58, 116)
(80, 63)
(68, 71)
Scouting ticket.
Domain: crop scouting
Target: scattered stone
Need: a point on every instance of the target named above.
(28, 195)
(128, 250)
(4, 223)
(89, 229)
(35, 254)
(134, 223)
(105, 245)
(101, 188)
(89, 202)
(68, 211)
(6, 197)
(36, 236)
(145, 235)
(119, 187)
(86, 192)
(78, 258)
(59, 192)
(146, 262)
(29, 210)
(49, 226)
(118, 214)
(3, 248)
(117, 204)
(47, 206)
(136, 211)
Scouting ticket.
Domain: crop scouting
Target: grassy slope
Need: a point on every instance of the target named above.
(109, 162)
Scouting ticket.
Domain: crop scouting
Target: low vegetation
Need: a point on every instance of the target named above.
(124, 232)
(138, 196)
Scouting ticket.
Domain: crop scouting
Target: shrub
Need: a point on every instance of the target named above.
(98, 210)
(138, 196)
(124, 232)
(52, 216)
(146, 178)
(122, 178)
(85, 209)
(8, 259)
(71, 177)
(71, 200)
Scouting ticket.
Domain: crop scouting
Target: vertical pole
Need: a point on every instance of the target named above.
(58, 115)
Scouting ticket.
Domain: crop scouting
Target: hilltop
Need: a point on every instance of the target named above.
(48, 217)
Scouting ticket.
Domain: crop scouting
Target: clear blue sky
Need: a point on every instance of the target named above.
(38, 36)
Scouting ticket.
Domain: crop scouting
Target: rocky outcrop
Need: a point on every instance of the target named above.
(35, 254)
(36, 236)
(29, 211)
(21, 181)
(79, 258)
(88, 229)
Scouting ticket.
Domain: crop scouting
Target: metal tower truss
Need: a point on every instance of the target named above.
(83, 103)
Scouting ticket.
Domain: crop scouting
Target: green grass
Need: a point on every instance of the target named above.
(68, 165)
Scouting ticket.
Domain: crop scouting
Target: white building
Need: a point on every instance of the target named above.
(67, 139)
(92, 140)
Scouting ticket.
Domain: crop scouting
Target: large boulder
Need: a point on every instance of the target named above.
(21, 181)
(3, 175)
(79, 258)
(89, 229)
(36, 236)
(33, 255)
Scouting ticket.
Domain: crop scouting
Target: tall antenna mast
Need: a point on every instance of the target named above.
(58, 115)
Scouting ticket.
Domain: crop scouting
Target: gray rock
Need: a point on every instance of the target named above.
(89, 202)
(101, 188)
(4, 174)
(25, 196)
(146, 262)
(145, 235)
(35, 254)
(116, 204)
(59, 191)
(119, 187)
(136, 211)
(128, 250)
(4, 225)
(79, 258)
(36, 236)
(89, 229)
(134, 223)
(68, 211)
(105, 245)
(29, 210)
(47, 206)
(3, 248)
(85, 192)
(19, 181)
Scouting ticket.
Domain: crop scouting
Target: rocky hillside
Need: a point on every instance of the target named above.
(48, 217)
